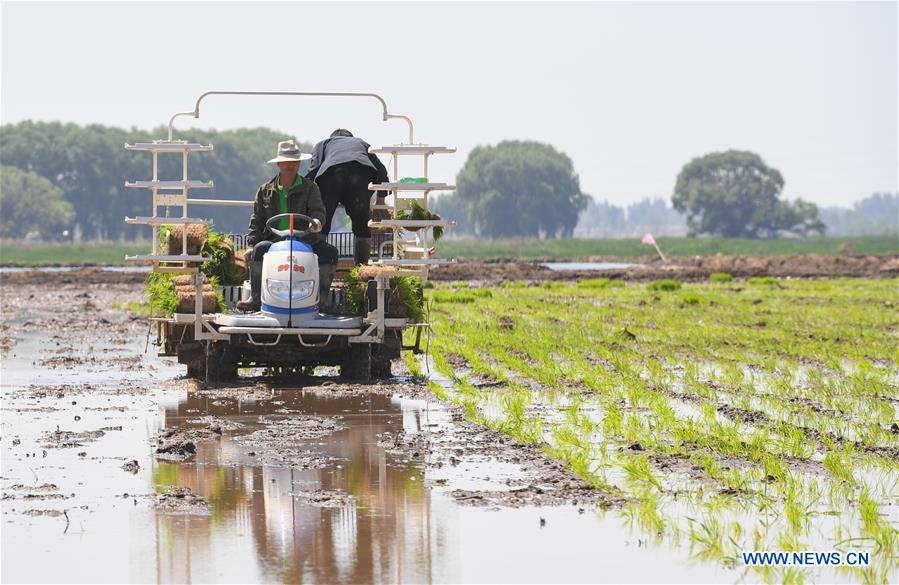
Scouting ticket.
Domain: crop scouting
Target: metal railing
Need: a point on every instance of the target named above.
(343, 241)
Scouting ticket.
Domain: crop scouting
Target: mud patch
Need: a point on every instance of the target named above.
(81, 276)
(399, 385)
(806, 466)
(411, 445)
(325, 498)
(752, 417)
(684, 268)
(49, 513)
(181, 501)
(38, 489)
(595, 360)
(177, 444)
(47, 491)
(484, 380)
(284, 442)
(237, 391)
(534, 495)
(536, 480)
(67, 439)
(7, 339)
(887, 452)
(455, 360)
(817, 407)
(295, 428)
(131, 467)
(676, 465)
(217, 424)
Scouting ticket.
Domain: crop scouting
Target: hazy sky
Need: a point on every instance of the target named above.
(630, 92)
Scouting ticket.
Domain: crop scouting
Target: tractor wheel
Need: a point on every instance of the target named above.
(221, 363)
(193, 355)
(384, 353)
(357, 364)
(196, 372)
(380, 368)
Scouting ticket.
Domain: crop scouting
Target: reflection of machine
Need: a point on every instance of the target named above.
(290, 332)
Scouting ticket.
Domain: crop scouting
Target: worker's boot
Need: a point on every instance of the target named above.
(255, 302)
(325, 276)
(362, 250)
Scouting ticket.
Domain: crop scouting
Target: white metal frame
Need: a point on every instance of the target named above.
(174, 193)
(410, 254)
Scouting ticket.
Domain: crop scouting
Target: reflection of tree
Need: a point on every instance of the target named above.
(377, 538)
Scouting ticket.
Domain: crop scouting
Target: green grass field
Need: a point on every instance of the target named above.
(730, 416)
(105, 254)
(113, 253)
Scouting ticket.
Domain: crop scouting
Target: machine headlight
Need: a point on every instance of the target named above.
(281, 289)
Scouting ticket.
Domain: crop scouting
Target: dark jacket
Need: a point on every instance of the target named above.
(305, 198)
(343, 149)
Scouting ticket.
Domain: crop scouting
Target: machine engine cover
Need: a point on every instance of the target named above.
(290, 280)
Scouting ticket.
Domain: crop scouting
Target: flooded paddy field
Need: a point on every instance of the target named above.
(736, 416)
(116, 468)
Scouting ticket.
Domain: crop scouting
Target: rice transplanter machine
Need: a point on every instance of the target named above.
(290, 331)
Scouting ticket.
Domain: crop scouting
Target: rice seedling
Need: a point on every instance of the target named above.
(645, 513)
(665, 284)
(638, 472)
(551, 284)
(594, 283)
(481, 292)
(778, 395)
(443, 296)
(691, 298)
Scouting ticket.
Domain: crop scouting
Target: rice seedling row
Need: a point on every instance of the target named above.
(730, 416)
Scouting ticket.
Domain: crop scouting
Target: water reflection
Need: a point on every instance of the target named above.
(383, 534)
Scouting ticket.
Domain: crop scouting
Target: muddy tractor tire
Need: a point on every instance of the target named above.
(380, 368)
(221, 363)
(216, 362)
(356, 364)
(383, 354)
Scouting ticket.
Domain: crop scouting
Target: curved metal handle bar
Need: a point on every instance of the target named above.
(196, 112)
(400, 117)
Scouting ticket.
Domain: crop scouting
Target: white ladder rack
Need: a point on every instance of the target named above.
(173, 193)
(413, 256)
(169, 193)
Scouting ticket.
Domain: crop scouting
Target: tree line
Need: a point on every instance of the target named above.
(876, 214)
(729, 194)
(530, 189)
(84, 169)
(64, 178)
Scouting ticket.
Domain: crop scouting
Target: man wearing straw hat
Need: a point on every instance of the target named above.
(287, 192)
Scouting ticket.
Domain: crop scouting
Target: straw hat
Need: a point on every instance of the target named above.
(289, 151)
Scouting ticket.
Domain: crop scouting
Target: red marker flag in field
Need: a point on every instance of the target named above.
(651, 241)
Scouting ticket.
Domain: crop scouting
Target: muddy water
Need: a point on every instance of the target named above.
(372, 495)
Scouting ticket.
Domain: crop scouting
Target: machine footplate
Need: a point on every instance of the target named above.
(325, 323)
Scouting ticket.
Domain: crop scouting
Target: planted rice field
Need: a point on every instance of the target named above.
(724, 417)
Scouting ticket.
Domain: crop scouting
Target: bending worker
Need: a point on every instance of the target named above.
(287, 192)
(343, 168)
